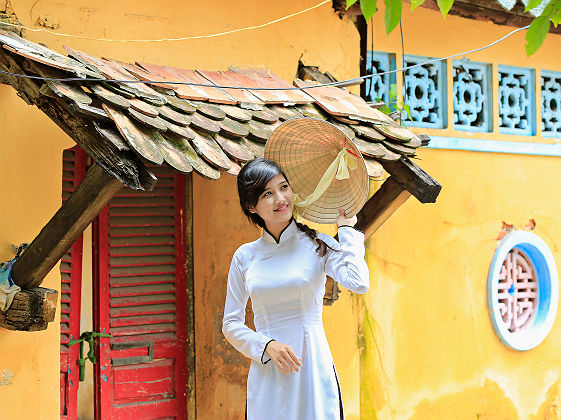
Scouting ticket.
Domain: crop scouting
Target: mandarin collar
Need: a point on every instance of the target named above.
(287, 233)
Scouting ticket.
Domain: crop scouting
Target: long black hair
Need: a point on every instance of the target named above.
(252, 181)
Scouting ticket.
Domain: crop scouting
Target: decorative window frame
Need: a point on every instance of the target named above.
(467, 86)
(386, 62)
(548, 298)
(546, 108)
(530, 112)
(440, 97)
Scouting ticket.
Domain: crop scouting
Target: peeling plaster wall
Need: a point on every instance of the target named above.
(31, 166)
(430, 351)
(30, 180)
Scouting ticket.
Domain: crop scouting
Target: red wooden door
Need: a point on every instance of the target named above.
(73, 172)
(140, 299)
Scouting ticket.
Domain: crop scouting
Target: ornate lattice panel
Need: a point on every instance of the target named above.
(522, 290)
(425, 92)
(517, 103)
(472, 96)
(378, 87)
(551, 103)
(518, 290)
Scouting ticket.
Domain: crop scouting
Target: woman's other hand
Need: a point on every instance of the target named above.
(343, 221)
(284, 357)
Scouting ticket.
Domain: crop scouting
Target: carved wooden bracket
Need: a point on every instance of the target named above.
(31, 310)
(406, 180)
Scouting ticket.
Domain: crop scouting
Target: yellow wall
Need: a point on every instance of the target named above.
(30, 179)
(430, 350)
(31, 168)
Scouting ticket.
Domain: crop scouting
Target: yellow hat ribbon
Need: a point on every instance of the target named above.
(339, 169)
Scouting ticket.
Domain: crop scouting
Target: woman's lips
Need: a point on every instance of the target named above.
(282, 208)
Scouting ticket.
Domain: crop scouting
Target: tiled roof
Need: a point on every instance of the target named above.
(206, 129)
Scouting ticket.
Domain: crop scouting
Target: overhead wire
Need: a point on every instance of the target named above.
(402, 50)
(355, 80)
(169, 39)
(371, 90)
(401, 116)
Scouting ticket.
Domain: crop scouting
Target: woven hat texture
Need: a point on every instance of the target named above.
(304, 148)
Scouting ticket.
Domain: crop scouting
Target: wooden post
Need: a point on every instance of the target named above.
(58, 235)
(405, 179)
(381, 206)
(31, 310)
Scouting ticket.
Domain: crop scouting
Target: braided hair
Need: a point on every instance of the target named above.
(252, 181)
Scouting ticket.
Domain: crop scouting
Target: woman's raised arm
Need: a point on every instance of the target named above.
(345, 262)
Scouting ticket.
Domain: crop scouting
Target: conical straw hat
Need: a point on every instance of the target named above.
(304, 148)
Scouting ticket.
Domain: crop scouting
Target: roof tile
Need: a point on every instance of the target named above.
(229, 78)
(169, 114)
(234, 149)
(135, 136)
(179, 124)
(235, 113)
(208, 149)
(339, 102)
(264, 78)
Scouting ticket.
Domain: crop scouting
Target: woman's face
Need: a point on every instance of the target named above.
(276, 202)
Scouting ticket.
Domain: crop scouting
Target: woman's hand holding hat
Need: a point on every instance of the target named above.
(343, 221)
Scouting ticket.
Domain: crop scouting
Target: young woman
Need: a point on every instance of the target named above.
(284, 274)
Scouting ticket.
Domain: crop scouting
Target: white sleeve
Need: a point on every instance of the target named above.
(346, 263)
(248, 342)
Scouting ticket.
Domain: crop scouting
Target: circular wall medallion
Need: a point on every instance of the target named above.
(522, 290)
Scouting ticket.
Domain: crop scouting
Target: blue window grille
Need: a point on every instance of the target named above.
(472, 96)
(378, 87)
(424, 91)
(517, 100)
(551, 103)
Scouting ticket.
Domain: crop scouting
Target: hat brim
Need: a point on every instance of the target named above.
(304, 148)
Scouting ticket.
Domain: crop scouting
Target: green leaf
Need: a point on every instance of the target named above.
(386, 109)
(393, 14)
(368, 8)
(407, 110)
(556, 13)
(416, 3)
(350, 3)
(445, 6)
(535, 36)
(531, 4)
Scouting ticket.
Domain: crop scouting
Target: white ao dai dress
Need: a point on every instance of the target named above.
(286, 283)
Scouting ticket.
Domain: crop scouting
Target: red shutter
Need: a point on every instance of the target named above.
(73, 172)
(140, 299)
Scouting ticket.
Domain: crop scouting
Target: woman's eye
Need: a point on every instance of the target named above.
(266, 194)
(284, 187)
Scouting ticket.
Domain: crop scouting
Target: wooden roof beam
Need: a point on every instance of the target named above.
(413, 179)
(405, 179)
(483, 10)
(381, 206)
(58, 235)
